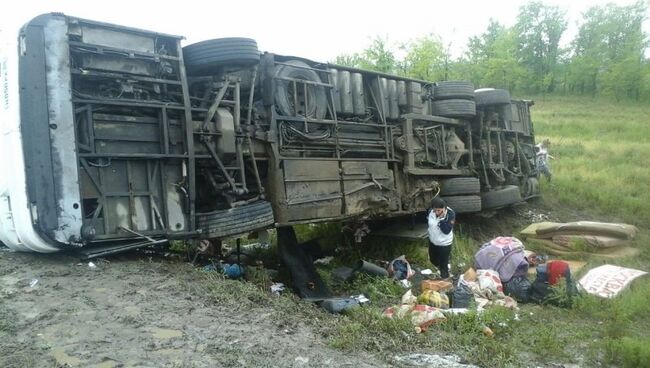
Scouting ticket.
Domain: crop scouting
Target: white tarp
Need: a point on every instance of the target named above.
(607, 281)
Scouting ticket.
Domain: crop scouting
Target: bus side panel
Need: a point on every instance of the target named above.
(47, 129)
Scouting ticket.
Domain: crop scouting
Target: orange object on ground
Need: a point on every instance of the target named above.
(436, 285)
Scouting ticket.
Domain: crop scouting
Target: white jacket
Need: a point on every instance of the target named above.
(436, 236)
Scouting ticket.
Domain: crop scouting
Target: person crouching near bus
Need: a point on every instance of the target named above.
(441, 220)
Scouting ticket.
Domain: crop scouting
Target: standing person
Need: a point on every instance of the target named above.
(441, 220)
(541, 151)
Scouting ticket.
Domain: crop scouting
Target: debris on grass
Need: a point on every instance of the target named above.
(277, 288)
(362, 299)
(324, 261)
(339, 305)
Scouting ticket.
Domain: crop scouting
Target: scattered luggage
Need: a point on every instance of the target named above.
(504, 255)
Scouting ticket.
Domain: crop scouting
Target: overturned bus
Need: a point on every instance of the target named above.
(119, 137)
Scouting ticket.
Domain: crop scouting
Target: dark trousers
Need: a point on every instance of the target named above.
(439, 257)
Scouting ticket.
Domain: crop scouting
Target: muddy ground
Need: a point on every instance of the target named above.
(143, 311)
(152, 310)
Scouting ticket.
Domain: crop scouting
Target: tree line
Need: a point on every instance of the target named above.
(607, 56)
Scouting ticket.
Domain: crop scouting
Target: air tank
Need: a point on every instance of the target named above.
(384, 93)
(345, 92)
(379, 95)
(401, 93)
(358, 97)
(393, 107)
(414, 97)
(335, 89)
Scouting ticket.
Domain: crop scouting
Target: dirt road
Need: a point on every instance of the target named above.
(136, 311)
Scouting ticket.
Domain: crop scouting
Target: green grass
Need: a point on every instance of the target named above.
(602, 154)
(601, 167)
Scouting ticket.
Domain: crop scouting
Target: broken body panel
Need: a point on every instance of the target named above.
(118, 134)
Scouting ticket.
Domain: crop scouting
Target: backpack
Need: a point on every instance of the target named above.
(548, 275)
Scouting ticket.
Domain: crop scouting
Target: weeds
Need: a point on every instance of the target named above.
(382, 291)
(562, 294)
(367, 329)
(599, 155)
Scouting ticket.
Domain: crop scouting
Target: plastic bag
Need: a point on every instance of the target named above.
(462, 295)
(409, 298)
(489, 282)
(422, 316)
(400, 269)
(434, 299)
(519, 288)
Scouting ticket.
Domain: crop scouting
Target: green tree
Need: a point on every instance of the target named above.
(609, 51)
(426, 58)
(483, 47)
(378, 57)
(645, 83)
(608, 55)
(352, 60)
(539, 28)
(492, 59)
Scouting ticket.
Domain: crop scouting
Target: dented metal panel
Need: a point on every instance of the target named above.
(313, 189)
(369, 187)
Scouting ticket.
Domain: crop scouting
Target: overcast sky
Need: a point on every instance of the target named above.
(317, 30)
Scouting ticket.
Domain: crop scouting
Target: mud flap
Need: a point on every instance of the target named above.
(306, 281)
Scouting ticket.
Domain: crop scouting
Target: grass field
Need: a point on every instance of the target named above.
(601, 172)
(602, 168)
(602, 155)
